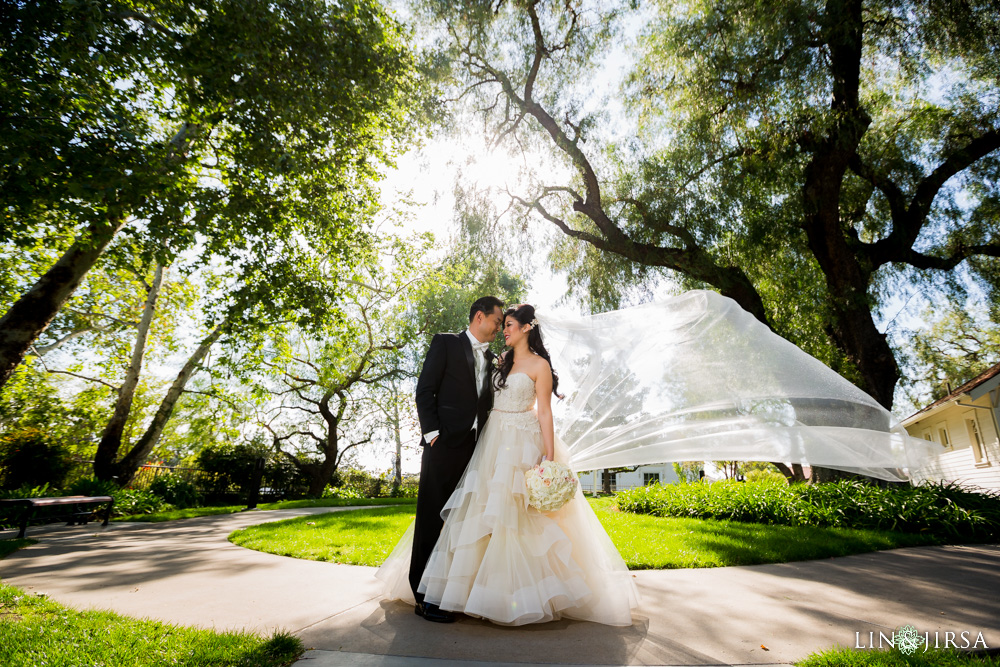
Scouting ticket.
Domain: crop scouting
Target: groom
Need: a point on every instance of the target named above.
(454, 397)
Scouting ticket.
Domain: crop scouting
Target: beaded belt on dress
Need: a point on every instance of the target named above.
(511, 412)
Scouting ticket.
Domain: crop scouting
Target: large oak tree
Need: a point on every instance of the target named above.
(804, 158)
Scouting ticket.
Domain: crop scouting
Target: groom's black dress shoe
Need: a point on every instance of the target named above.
(432, 612)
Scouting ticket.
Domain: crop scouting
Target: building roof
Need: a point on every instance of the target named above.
(982, 378)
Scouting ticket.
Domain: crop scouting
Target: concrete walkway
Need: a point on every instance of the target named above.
(186, 572)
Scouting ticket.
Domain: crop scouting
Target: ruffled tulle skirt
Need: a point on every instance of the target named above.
(501, 560)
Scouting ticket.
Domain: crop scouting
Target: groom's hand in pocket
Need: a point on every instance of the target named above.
(431, 443)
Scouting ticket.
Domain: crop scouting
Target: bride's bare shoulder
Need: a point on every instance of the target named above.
(539, 366)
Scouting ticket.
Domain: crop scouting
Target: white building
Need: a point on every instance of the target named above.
(643, 475)
(965, 424)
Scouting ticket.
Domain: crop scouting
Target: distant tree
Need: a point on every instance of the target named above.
(954, 349)
(323, 395)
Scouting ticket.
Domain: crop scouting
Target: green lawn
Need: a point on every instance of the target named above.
(845, 657)
(192, 512)
(37, 631)
(366, 537)
(7, 547)
(359, 537)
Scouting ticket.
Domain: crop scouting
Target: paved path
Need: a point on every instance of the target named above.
(187, 572)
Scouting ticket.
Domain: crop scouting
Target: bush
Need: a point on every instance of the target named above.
(136, 501)
(43, 491)
(230, 469)
(408, 489)
(769, 476)
(31, 457)
(364, 483)
(176, 491)
(92, 487)
(946, 510)
(8, 516)
(341, 492)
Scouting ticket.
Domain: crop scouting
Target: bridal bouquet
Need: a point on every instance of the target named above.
(550, 485)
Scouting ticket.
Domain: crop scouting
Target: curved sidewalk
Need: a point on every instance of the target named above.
(186, 572)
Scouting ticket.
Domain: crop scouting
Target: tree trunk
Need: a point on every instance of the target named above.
(606, 481)
(822, 475)
(848, 279)
(129, 464)
(32, 314)
(792, 474)
(398, 467)
(111, 440)
(324, 471)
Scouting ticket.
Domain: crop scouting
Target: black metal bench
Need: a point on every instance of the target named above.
(71, 507)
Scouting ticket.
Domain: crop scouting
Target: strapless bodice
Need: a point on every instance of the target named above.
(517, 396)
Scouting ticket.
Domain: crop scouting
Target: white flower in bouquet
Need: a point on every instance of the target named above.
(550, 485)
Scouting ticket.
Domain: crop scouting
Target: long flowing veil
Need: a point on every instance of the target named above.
(695, 377)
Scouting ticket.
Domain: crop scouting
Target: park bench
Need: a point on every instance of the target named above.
(74, 508)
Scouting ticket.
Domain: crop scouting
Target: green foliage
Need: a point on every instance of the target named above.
(947, 511)
(232, 466)
(137, 501)
(92, 486)
(815, 161)
(443, 304)
(688, 471)
(341, 492)
(30, 456)
(360, 483)
(846, 657)
(176, 491)
(957, 346)
(34, 399)
(765, 476)
(37, 631)
(408, 489)
(43, 491)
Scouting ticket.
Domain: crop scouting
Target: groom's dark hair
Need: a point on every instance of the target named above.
(484, 305)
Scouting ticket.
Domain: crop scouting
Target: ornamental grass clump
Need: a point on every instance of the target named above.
(948, 511)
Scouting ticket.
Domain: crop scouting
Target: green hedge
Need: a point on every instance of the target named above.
(947, 510)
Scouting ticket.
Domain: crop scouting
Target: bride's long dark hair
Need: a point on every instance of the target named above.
(524, 314)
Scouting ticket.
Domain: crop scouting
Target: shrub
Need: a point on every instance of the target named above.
(176, 491)
(42, 491)
(8, 516)
(341, 492)
(92, 487)
(229, 469)
(136, 501)
(31, 457)
(364, 483)
(946, 510)
(408, 489)
(771, 476)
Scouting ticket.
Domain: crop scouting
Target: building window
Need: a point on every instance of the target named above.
(976, 439)
(943, 434)
(650, 478)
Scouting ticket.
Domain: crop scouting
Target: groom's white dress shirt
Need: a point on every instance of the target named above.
(479, 355)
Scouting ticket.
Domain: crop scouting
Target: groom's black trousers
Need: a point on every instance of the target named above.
(441, 466)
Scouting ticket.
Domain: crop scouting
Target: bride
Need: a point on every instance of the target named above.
(497, 558)
(690, 378)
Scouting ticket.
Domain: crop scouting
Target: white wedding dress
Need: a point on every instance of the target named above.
(501, 560)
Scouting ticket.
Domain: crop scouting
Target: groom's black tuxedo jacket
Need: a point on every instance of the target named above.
(446, 395)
